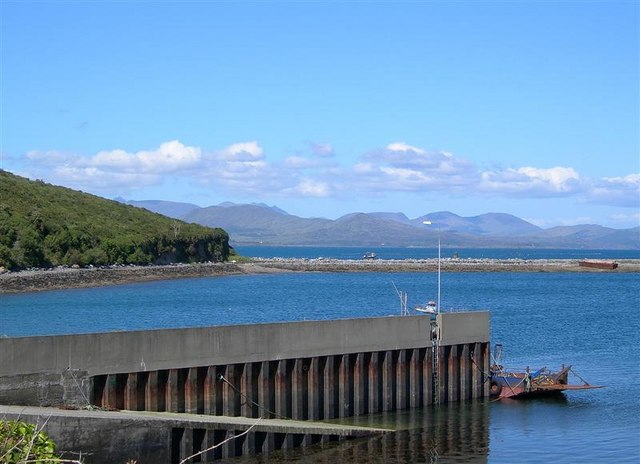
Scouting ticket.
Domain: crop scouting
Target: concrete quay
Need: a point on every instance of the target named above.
(123, 435)
(286, 374)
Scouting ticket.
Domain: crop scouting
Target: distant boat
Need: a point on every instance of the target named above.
(609, 265)
(431, 308)
(370, 255)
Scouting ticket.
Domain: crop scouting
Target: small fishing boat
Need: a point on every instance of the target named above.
(369, 255)
(507, 383)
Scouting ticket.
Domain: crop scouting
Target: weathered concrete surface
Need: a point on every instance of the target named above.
(135, 351)
(196, 420)
(108, 437)
(97, 436)
(69, 387)
(463, 327)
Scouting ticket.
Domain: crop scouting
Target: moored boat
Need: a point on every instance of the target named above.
(508, 383)
(431, 307)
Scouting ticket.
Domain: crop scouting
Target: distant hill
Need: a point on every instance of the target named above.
(594, 236)
(259, 223)
(397, 217)
(228, 204)
(44, 225)
(166, 208)
(497, 224)
(256, 223)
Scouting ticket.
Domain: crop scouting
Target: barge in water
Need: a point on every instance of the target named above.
(607, 265)
(506, 383)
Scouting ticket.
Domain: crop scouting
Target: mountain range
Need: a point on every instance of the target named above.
(258, 223)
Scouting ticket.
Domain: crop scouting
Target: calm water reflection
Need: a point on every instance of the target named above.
(453, 433)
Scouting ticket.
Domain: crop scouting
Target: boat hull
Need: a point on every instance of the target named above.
(608, 265)
(530, 385)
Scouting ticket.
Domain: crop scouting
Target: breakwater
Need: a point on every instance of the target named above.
(302, 371)
(65, 277)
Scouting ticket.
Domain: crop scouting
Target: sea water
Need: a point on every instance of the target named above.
(588, 320)
(383, 252)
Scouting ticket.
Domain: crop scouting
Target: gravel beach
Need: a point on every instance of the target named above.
(62, 278)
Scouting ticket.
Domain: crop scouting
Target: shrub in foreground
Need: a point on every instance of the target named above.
(23, 442)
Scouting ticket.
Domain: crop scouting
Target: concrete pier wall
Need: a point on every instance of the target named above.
(305, 371)
(317, 388)
(113, 352)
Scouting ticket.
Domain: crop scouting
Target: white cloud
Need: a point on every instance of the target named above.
(98, 180)
(311, 188)
(406, 179)
(116, 170)
(300, 162)
(626, 218)
(114, 159)
(531, 181)
(240, 168)
(243, 151)
(619, 191)
(322, 150)
(401, 146)
(404, 167)
(559, 179)
(169, 157)
(401, 155)
(364, 168)
(243, 169)
(632, 180)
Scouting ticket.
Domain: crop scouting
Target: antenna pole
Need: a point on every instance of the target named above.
(438, 269)
(403, 300)
(428, 223)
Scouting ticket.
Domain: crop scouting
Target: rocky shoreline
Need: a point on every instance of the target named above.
(64, 278)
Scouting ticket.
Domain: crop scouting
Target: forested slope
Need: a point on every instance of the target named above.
(45, 225)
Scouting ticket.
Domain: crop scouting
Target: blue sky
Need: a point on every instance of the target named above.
(326, 108)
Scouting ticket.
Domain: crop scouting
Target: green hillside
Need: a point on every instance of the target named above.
(44, 225)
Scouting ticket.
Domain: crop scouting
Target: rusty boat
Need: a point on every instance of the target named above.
(509, 383)
(595, 264)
